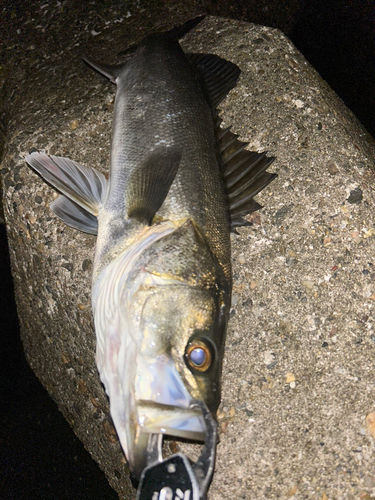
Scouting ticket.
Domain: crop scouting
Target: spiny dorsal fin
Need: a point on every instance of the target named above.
(148, 185)
(218, 75)
(244, 173)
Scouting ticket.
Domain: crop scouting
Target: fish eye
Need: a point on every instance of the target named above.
(198, 355)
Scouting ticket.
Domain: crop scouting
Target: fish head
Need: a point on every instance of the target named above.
(179, 359)
(163, 339)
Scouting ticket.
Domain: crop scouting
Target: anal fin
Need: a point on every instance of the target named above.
(84, 189)
(111, 72)
(75, 216)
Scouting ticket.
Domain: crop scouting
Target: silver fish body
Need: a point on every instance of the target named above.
(162, 274)
(175, 274)
(160, 106)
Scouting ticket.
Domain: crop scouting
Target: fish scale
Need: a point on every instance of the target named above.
(161, 285)
(198, 190)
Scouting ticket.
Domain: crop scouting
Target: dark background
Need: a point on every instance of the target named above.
(40, 457)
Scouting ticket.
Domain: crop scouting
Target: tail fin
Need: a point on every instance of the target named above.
(112, 72)
(177, 32)
(180, 31)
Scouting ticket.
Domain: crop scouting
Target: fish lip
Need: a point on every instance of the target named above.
(171, 420)
(200, 472)
(163, 400)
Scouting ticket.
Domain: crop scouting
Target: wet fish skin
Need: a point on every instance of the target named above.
(159, 309)
(162, 279)
(160, 100)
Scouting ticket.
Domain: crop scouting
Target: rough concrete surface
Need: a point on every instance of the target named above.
(299, 376)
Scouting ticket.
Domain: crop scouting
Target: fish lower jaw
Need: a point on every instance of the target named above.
(171, 420)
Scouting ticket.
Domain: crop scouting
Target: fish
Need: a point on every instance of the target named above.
(178, 185)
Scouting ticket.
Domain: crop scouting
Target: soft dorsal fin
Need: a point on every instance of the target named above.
(111, 72)
(84, 189)
(244, 173)
(218, 75)
(148, 184)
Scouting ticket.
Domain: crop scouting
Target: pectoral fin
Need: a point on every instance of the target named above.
(84, 189)
(149, 184)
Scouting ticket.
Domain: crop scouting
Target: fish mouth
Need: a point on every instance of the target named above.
(173, 421)
(163, 401)
(157, 420)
